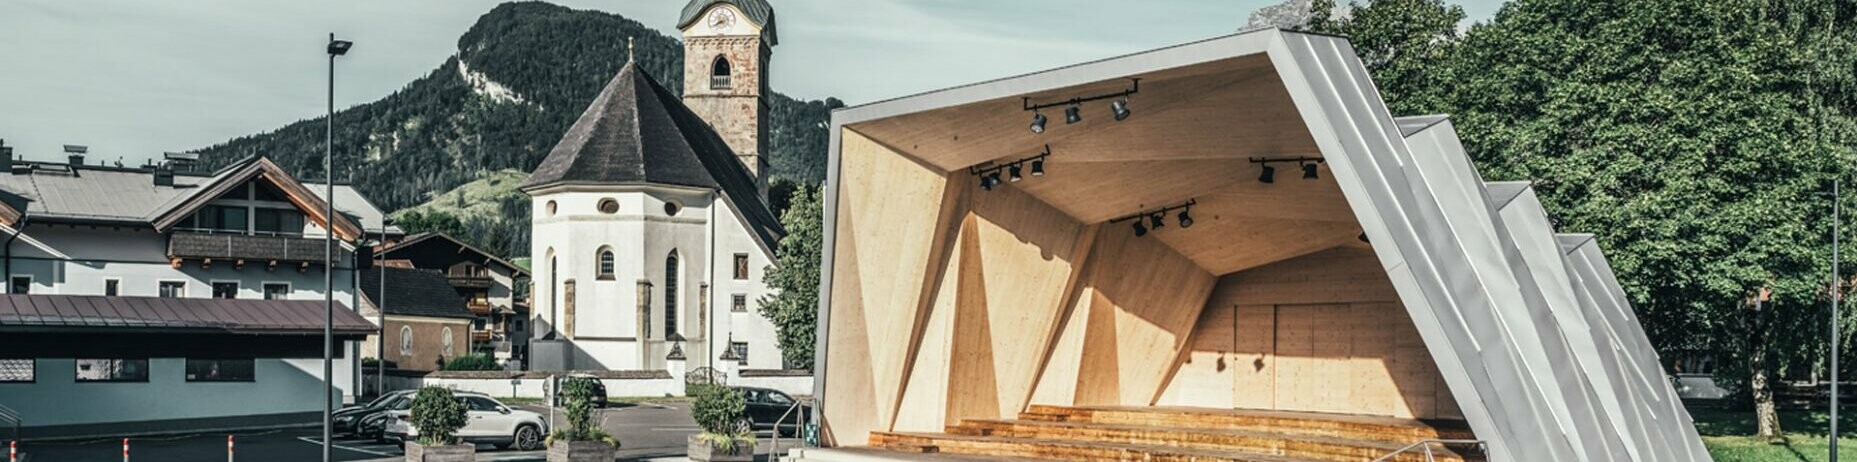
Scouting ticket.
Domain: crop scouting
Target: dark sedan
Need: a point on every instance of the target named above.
(348, 419)
(767, 406)
(599, 390)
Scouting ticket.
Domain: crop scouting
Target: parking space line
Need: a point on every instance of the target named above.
(318, 441)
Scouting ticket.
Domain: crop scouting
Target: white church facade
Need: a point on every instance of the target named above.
(651, 229)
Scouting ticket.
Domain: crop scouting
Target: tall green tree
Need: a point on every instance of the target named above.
(794, 306)
(1695, 137)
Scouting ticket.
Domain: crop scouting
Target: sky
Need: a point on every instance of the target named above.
(132, 79)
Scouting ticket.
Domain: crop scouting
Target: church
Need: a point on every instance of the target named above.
(651, 225)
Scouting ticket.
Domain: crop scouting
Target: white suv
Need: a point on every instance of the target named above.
(487, 421)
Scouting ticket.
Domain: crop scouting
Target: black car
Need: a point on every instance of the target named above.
(347, 419)
(599, 390)
(767, 406)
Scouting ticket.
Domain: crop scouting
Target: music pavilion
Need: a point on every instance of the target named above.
(1223, 250)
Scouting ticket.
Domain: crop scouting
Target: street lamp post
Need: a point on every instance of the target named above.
(336, 48)
(1837, 295)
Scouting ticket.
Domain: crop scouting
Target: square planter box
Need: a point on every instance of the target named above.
(416, 452)
(702, 451)
(580, 451)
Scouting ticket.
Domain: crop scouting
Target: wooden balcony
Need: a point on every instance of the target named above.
(237, 249)
(479, 308)
(469, 282)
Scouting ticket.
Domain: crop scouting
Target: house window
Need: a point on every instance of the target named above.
(719, 74)
(18, 370)
(741, 351)
(220, 370)
(606, 265)
(225, 290)
(446, 341)
(112, 287)
(741, 267)
(172, 289)
(276, 291)
(112, 370)
(278, 221)
(739, 303)
(223, 218)
(670, 294)
(406, 340)
(20, 285)
(480, 323)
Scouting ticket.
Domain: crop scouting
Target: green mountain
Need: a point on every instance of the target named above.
(521, 75)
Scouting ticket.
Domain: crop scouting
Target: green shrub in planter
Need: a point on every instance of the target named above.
(438, 415)
(722, 414)
(476, 362)
(577, 392)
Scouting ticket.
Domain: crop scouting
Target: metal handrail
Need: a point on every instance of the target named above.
(1427, 444)
(774, 449)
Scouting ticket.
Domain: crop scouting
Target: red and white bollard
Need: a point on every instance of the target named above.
(12, 451)
(125, 450)
(228, 448)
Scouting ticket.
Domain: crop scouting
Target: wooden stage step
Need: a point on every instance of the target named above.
(1357, 427)
(1179, 433)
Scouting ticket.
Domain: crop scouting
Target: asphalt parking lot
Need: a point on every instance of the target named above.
(645, 432)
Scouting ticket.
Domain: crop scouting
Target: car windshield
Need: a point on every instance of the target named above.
(401, 404)
(779, 398)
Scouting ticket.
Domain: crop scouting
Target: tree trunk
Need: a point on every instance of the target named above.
(1767, 418)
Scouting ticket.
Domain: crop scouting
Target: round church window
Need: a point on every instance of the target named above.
(609, 206)
(671, 208)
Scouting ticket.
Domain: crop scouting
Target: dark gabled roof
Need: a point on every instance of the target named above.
(756, 10)
(414, 292)
(637, 132)
(249, 169)
(396, 251)
(240, 316)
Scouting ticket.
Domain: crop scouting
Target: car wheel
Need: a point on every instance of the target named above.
(528, 438)
(743, 425)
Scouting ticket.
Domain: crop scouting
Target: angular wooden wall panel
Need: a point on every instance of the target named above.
(1144, 301)
(1254, 380)
(1206, 373)
(888, 212)
(925, 396)
(1015, 272)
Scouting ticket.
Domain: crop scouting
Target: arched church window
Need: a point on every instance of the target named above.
(606, 263)
(551, 208)
(670, 294)
(719, 74)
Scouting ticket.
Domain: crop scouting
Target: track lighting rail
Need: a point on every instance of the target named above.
(989, 172)
(1135, 88)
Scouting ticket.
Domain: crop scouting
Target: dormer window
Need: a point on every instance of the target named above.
(719, 74)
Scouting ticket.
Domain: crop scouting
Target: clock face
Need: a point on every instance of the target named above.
(722, 18)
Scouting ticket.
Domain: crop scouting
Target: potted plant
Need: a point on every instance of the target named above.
(582, 440)
(437, 416)
(727, 435)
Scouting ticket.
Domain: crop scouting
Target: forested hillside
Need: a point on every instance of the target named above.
(521, 75)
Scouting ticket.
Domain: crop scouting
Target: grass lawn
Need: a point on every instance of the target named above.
(1729, 435)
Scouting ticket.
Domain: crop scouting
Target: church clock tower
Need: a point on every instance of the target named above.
(727, 44)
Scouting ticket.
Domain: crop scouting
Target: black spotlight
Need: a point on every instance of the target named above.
(1038, 167)
(989, 181)
(1120, 108)
(1269, 175)
(1073, 114)
(1186, 219)
(1157, 220)
(1308, 171)
(1139, 229)
(1038, 123)
(1014, 173)
(995, 177)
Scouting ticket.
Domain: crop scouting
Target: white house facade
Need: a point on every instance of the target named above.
(198, 288)
(651, 229)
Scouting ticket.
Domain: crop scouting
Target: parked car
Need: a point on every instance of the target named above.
(767, 406)
(375, 425)
(599, 390)
(487, 421)
(348, 419)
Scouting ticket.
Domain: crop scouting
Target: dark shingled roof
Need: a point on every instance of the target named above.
(415, 292)
(242, 316)
(757, 10)
(636, 131)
